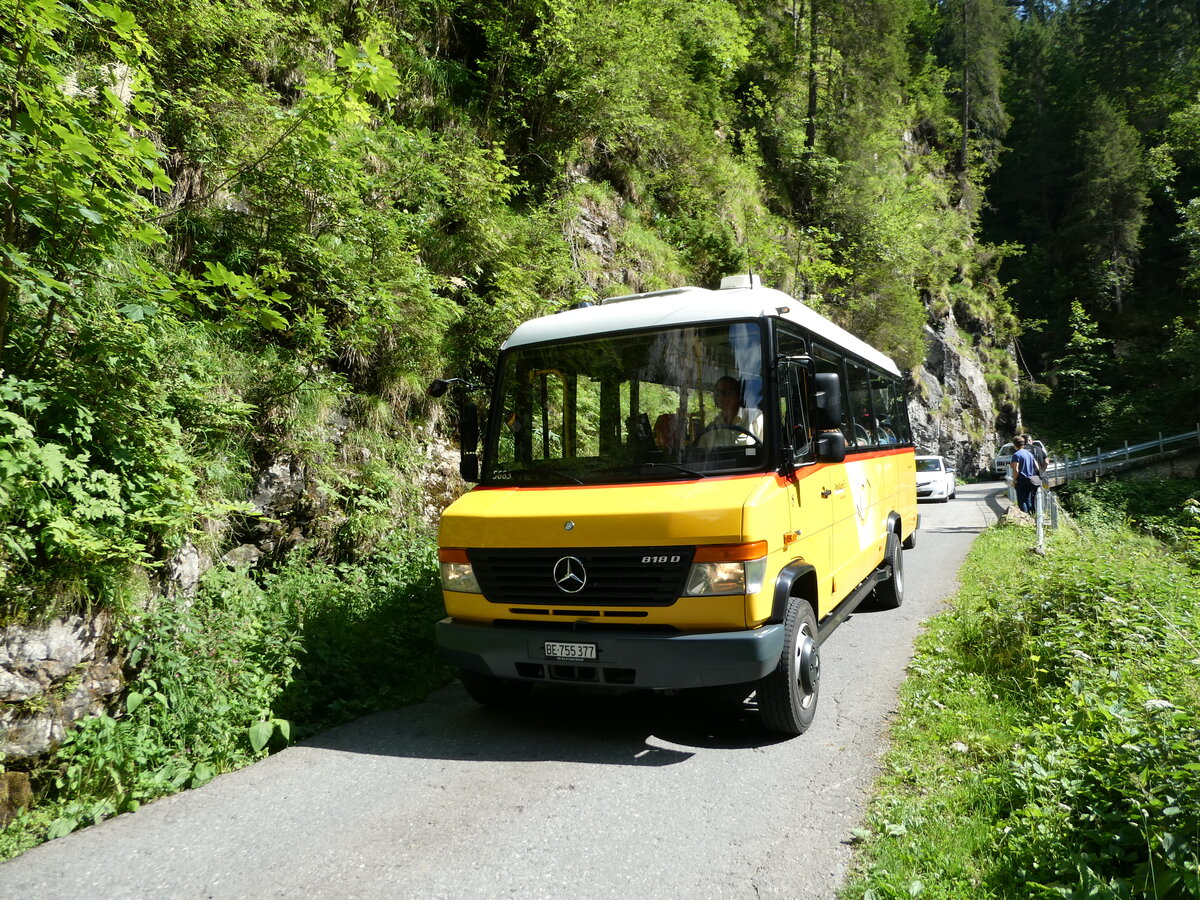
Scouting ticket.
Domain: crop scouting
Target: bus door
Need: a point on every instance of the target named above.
(857, 535)
(809, 486)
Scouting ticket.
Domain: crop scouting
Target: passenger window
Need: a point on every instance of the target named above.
(881, 396)
(863, 434)
(543, 436)
(828, 361)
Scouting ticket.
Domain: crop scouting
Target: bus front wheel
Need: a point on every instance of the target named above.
(787, 697)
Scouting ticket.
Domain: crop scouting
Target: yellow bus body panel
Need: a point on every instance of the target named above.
(708, 511)
(683, 514)
(832, 517)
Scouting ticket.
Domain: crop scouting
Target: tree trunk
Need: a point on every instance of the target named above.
(810, 129)
(966, 86)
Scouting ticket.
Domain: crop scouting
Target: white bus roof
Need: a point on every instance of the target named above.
(690, 306)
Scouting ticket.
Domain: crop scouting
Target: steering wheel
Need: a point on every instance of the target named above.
(737, 429)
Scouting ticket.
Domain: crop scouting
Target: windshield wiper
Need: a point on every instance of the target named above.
(683, 470)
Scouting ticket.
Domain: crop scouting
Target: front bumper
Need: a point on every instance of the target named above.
(624, 659)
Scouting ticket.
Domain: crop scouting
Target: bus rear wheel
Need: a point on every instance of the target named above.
(889, 594)
(787, 697)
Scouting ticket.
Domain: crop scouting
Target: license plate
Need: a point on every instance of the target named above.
(556, 650)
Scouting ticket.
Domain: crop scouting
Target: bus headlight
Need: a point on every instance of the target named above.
(727, 569)
(457, 574)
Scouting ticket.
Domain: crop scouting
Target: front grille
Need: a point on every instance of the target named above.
(576, 627)
(584, 674)
(626, 576)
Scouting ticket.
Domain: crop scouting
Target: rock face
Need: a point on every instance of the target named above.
(951, 408)
(51, 676)
(438, 479)
(288, 499)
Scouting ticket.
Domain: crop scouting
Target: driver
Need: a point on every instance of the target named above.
(727, 394)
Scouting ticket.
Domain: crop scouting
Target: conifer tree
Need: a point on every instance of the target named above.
(1111, 202)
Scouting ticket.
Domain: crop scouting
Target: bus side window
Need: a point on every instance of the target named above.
(881, 396)
(860, 406)
(828, 361)
(792, 413)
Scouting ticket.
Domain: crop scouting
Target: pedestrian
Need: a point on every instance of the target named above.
(1026, 477)
(1038, 451)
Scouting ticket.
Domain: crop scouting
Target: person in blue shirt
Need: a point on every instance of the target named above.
(1026, 475)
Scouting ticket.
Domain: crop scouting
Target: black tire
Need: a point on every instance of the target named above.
(787, 697)
(889, 594)
(489, 690)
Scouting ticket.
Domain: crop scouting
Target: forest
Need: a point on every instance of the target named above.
(225, 222)
(240, 232)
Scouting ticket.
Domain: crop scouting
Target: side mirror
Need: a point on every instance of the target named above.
(831, 446)
(468, 426)
(468, 467)
(468, 440)
(439, 386)
(828, 401)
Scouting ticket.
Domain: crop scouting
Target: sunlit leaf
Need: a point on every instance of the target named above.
(260, 734)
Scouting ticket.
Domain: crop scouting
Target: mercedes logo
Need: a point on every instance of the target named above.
(570, 575)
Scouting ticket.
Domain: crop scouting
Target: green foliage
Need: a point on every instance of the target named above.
(1165, 508)
(366, 633)
(241, 669)
(208, 673)
(1112, 202)
(77, 169)
(1044, 745)
(1097, 186)
(974, 33)
(93, 474)
(1085, 413)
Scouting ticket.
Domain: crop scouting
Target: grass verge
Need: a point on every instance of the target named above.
(1046, 740)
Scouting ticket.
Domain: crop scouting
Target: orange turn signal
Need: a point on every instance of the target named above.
(452, 555)
(731, 552)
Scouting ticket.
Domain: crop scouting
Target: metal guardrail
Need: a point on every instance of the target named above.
(1114, 460)
(1046, 500)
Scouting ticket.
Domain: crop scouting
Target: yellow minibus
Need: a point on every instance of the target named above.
(681, 489)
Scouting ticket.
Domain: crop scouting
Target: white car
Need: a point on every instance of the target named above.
(935, 478)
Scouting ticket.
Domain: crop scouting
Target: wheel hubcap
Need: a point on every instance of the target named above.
(808, 666)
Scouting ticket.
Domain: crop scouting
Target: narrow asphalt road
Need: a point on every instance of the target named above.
(573, 796)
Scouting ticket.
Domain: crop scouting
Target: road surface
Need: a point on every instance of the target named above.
(574, 796)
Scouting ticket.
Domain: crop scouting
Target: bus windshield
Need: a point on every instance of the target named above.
(678, 403)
